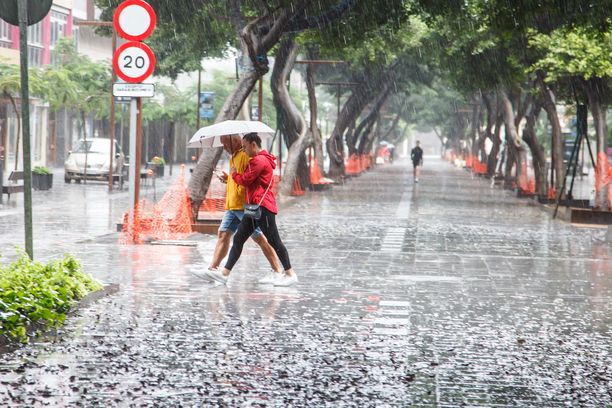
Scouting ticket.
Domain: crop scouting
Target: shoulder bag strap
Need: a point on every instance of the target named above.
(269, 185)
(266, 192)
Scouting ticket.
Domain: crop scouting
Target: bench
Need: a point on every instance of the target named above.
(12, 188)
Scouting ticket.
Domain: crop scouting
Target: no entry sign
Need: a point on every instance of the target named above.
(134, 61)
(134, 20)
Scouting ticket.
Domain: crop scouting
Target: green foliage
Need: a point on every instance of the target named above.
(79, 76)
(33, 292)
(41, 170)
(573, 51)
(10, 80)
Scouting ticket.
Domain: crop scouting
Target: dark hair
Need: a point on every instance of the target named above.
(252, 137)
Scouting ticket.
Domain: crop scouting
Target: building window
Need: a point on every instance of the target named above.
(59, 21)
(35, 34)
(6, 38)
(34, 56)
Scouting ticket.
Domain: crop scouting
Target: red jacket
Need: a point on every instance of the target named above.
(256, 178)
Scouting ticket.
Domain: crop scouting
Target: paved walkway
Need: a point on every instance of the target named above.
(446, 293)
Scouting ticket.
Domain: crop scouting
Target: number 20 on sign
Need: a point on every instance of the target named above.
(134, 61)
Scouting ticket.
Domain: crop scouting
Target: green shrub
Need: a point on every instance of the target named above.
(33, 292)
(41, 170)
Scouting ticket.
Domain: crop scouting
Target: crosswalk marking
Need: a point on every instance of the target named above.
(393, 240)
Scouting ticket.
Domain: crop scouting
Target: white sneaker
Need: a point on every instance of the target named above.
(286, 280)
(269, 278)
(216, 275)
(201, 273)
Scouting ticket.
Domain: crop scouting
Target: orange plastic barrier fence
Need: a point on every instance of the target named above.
(215, 197)
(315, 173)
(552, 193)
(353, 166)
(169, 219)
(602, 169)
(469, 161)
(603, 175)
(479, 168)
(610, 188)
(531, 186)
(363, 162)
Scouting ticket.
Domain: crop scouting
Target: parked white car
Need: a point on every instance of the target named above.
(90, 159)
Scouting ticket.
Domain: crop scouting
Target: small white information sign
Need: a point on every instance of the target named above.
(133, 90)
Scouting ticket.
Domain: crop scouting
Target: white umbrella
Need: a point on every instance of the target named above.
(210, 136)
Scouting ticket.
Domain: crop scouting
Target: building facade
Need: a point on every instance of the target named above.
(50, 140)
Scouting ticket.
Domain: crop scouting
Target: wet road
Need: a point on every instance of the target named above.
(446, 293)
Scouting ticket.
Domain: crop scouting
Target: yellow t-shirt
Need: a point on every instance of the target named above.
(235, 196)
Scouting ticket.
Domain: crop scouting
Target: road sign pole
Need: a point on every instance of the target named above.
(134, 166)
(138, 147)
(133, 62)
(25, 126)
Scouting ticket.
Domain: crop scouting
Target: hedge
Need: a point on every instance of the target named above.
(33, 292)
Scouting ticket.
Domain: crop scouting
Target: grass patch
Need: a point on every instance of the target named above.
(33, 292)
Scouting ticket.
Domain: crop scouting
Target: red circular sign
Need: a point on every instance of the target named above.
(133, 61)
(134, 20)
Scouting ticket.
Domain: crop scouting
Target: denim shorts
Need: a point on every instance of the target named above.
(231, 220)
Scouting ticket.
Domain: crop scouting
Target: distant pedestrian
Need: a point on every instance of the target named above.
(417, 160)
(234, 211)
(258, 179)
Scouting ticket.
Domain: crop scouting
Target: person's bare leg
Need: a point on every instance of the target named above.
(268, 251)
(289, 272)
(417, 171)
(221, 248)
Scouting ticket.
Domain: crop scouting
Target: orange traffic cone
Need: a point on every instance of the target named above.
(297, 188)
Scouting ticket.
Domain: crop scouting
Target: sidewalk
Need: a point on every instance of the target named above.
(445, 293)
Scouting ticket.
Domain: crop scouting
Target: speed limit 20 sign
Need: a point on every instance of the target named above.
(134, 61)
(134, 20)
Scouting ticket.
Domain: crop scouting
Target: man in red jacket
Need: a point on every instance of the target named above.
(258, 179)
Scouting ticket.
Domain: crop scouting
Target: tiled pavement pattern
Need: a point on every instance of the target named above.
(446, 293)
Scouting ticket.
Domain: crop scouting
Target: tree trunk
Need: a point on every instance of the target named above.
(363, 135)
(475, 125)
(595, 93)
(292, 123)
(513, 142)
(368, 141)
(350, 112)
(537, 151)
(492, 162)
(548, 103)
(312, 104)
